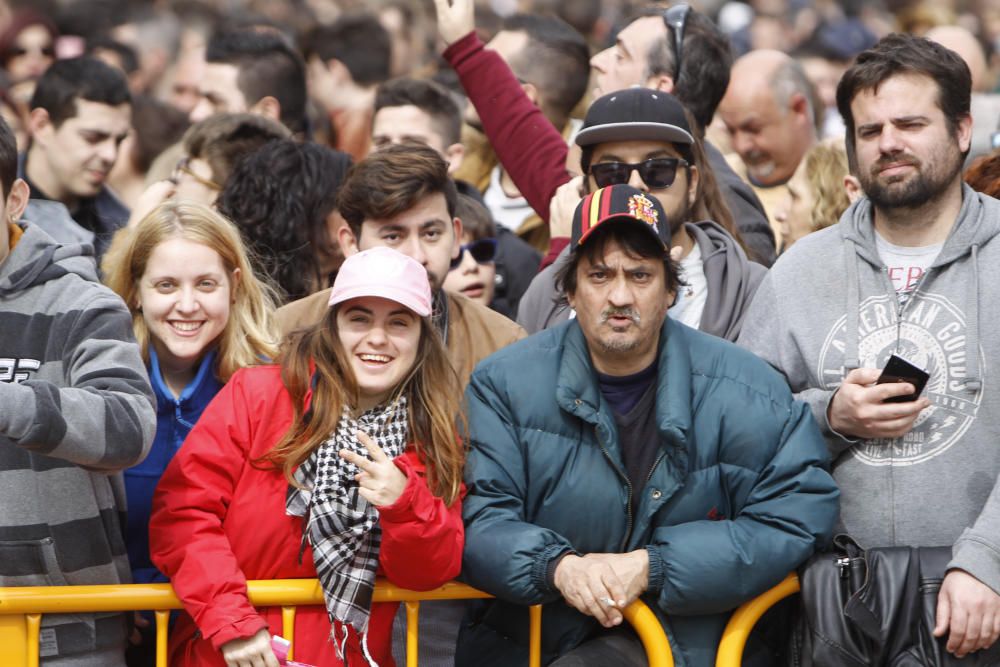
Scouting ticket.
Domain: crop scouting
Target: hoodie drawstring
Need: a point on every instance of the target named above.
(852, 356)
(973, 381)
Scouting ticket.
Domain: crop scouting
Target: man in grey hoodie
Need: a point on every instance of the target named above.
(911, 270)
(642, 137)
(75, 409)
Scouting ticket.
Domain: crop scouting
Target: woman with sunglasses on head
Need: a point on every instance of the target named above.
(340, 462)
(473, 273)
(27, 48)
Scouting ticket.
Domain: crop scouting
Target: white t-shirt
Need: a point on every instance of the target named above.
(906, 265)
(511, 212)
(690, 303)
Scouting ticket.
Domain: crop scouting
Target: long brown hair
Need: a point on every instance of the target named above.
(432, 391)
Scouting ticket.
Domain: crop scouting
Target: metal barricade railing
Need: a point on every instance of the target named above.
(21, 611)
(734, 637)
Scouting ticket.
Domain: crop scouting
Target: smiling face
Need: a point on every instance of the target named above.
(620, 302)
(906, 153)
(380, 338)
(185, 295)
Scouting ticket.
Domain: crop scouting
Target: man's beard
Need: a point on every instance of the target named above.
(929, 181)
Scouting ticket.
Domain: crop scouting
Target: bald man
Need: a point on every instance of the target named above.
(768, 113)
(985, 105)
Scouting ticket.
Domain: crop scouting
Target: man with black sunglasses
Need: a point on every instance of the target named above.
(642, 137)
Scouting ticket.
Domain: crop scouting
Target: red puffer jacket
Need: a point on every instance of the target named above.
(219, 520)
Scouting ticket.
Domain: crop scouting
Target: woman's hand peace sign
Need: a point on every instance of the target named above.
(380, 482)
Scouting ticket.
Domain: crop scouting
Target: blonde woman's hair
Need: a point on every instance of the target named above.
(826, 166)
(251, 334)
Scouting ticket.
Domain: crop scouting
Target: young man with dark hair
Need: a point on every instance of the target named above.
(402, 197)
(80, 114)
(254, 70)
(910, 269)
(347, 60)
(76, 408)
(623, 455)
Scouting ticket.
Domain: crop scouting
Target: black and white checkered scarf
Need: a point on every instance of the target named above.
(341, 526)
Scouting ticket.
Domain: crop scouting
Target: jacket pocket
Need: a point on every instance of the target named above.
(30, 563)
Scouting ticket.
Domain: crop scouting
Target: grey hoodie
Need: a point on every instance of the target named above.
(828, 306)
(75, 409)
(732, 280)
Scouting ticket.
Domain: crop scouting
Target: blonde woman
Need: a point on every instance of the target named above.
(199, 314)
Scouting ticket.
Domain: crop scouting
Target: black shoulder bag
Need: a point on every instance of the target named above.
(875, 608)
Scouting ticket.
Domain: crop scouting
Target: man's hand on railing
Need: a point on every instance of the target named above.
(632, 569)
(252, 652)
(136, 637)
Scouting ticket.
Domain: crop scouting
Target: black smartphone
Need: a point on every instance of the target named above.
(898, 369)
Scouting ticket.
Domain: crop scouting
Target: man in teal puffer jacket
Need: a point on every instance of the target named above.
(624, 455)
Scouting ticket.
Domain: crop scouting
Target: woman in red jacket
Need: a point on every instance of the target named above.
(338, 463)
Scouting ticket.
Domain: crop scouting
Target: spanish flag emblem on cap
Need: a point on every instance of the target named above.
(622, 203)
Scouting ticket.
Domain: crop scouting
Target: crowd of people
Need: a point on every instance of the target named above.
(577, 302)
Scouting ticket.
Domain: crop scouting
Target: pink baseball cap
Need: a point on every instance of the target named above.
(384, 273)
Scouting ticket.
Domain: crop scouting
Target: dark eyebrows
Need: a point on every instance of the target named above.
(434, 222)
(366, 311)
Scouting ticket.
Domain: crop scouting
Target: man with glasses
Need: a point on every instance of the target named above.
(642, 137)
(678, 51)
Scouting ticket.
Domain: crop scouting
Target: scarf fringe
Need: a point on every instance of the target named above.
(341, 644)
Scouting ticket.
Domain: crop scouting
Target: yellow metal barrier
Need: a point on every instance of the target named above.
(21, 612)
(734, 637)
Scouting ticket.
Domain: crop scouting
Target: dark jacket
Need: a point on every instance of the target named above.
(732, 282)
(107, 213)
(738, 497)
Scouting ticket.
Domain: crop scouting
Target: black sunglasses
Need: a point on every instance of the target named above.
(676, 18)
(483, 251)
(16, 51)
(656, 172)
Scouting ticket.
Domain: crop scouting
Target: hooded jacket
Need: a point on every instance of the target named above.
(732, 281)
(77, 408)
(737, 497)
(828, 306)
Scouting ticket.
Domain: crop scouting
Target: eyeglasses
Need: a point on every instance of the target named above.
(676, 18)
(656, 172)
(483, 251)
(184, 167)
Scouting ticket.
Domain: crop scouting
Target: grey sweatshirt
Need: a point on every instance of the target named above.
(732, 280)
(828, 306)
(75, 409)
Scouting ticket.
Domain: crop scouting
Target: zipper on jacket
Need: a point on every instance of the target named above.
(628, 500)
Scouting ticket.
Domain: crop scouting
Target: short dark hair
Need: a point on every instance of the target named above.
(429, 97)
(476, 219)
(267, 65)
(357, 40)
(126, 54)
(8, 158)
(901, 53)
(555, 59)
(635, 241)
(391, 181)
(223, 139)
(85, 78)
(279, 197)
(157, 126)
(706, 58)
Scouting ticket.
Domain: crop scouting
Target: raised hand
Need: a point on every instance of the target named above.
(380, 482)
(455, 19)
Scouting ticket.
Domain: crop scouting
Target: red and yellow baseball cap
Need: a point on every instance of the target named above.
(619, 203)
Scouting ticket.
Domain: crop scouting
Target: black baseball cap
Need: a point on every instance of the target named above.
(623, 204)
(635, 113)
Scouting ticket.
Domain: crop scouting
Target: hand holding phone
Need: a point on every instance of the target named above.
(898, 369)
